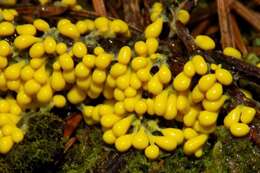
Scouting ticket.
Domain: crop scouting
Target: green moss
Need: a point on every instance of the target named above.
(41, 147)
(84, 155)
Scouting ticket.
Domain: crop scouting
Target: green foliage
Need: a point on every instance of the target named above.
(83, 156)
(233, 154)
(41, 147)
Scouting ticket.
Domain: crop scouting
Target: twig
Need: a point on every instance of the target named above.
(231, 29)
(223, 24)
(99, 7)
(256, 2)
(246, 13)
(43, 11)
(91, 14)
(200, 28)
(212, 30)
(237, 35)
(71, 124)
(112, 10)
(255, 50)
(69, 144)
(186, 38)
(203, 13)
(249, 71)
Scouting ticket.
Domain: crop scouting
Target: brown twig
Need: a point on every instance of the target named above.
(186, 38)
(71, 124)
(247, 14)
(256, 2)
(43, 11)
(245, 69)
(255, 50)
(91, 14)
(112, 10)
(237, 35)
(99, 7)
(69, 144)
(200, 28)
(212, 29)
(223, 23)
(203, 13)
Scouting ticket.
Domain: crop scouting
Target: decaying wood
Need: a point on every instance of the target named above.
(212, 30)
(44, 11)
(200, 28)
(231, 29)
(223, 23)
(237, 36)
(246, 13)
(255, 50)
(184, 35)
(203, 13)
(99, 7)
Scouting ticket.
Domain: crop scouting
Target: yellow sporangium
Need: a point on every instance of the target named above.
(140, 107)
(3, 62)
(200, 65)
(4, 106)
(167, 143)
(109, 137)
(41, 25)
(59, 101)
(66, 61)
(214, 106)
(193, 144)
(224, 76)
(160, 103)
(164, 74)
(61, 48)
(49, 44)
(140, 48)
(140, 139)
(37, 50)
(181, 82)
(232, 117)
(26, 29)
(206, 82)
(25, 41)
(12, 72)
(124, 55)
(103, 60)
(152, 152)
(171, 108)
(76, 95)
(207, 118)
(154, 30)
(175, 133)
(81, 70)
(121, 127)
(215, 92)
(6, 143)
(6, 29)
(102, 24)
(45, 94)
(79, 49)
(5, 48)
(82, 27)
(239, 129)
(123, 143)
(230, 51)
(183, 16)
(69, 30)
(248, 114)
(204, 42)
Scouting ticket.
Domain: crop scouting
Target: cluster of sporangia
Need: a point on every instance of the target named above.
(122, 79)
